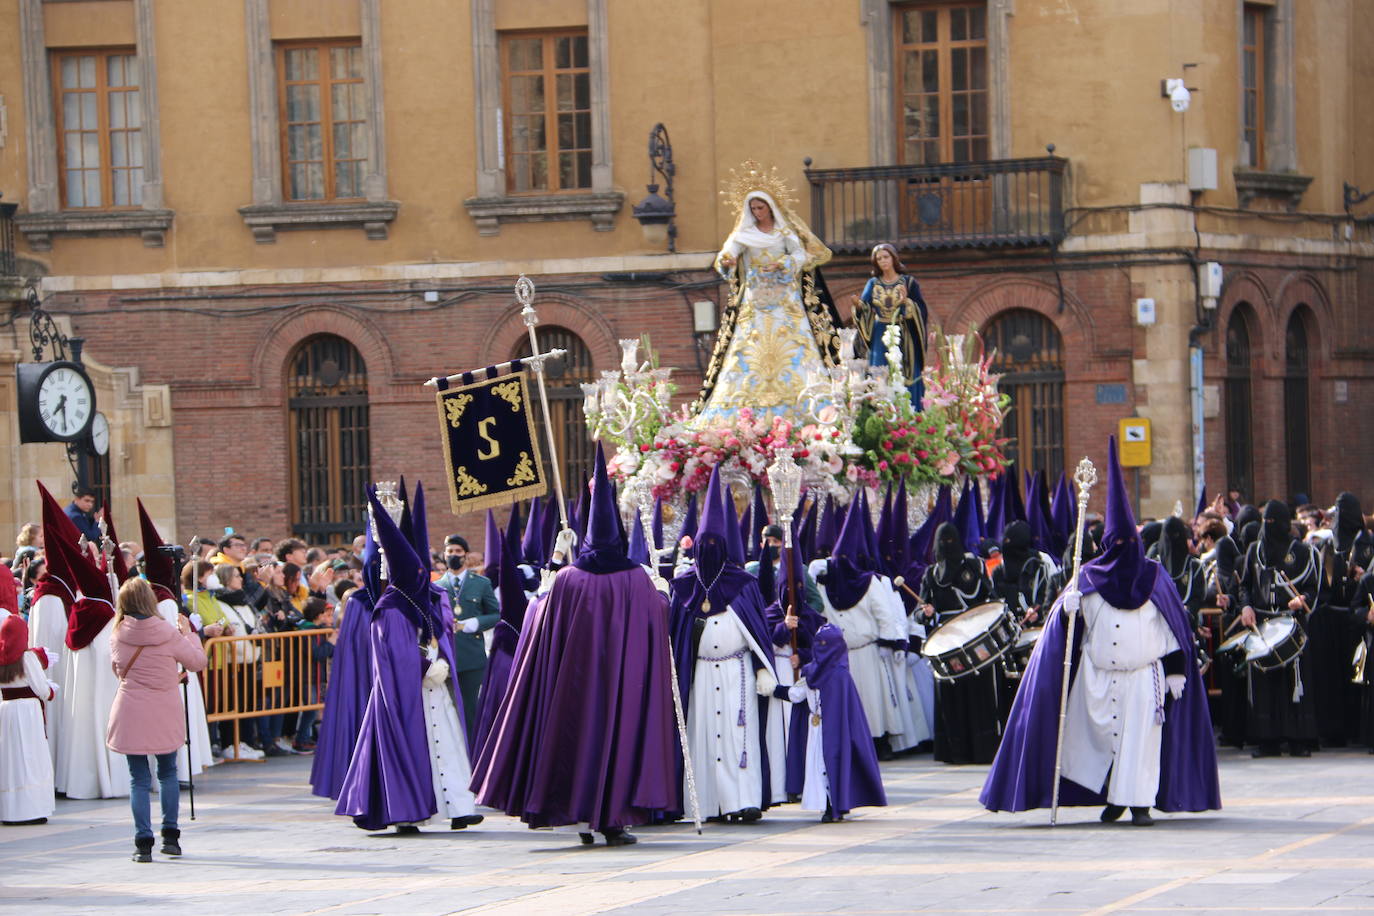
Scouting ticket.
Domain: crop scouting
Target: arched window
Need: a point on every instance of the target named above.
(329, 448)
(1030, 361)
(1296, 404)
(1240, 467)
(575, 448)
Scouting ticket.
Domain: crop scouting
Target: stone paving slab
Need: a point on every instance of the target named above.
(1296, 836)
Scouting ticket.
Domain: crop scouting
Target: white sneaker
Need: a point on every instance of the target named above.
(284, 743)
(248, 753)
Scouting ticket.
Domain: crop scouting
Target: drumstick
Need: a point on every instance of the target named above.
(900, 582)
(1288, 584)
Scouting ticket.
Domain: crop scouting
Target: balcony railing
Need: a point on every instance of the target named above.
(998, 203)
(8, 265)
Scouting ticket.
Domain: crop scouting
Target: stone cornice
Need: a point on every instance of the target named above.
(39, 228)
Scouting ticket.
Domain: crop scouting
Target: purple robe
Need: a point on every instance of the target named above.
(345, 698)
(500, 659)
(1022, 775)
(585, 733)
(851, 761)
(389, 779)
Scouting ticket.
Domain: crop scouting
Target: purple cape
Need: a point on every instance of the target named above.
(585, 732)
(851, 761)
(389, 780)
(1022, 775)
(345, 698)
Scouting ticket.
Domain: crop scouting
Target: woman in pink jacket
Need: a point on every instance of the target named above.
(147, 717)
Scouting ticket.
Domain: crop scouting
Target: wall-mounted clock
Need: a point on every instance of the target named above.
(56, 401)
(100, 434)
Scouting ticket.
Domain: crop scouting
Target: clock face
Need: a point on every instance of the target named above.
(100, 434)
(65, 402)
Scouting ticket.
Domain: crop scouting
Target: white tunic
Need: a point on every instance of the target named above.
(48, 629)
(1111, 724)
(863, 625)
(449, 767)
(816, 788)
(723, 718)
(26, 790)
(86, 768)
(913, 726)
(779, 715)
(193, 698)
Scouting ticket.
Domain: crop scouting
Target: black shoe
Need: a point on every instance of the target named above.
(749, 815)
(829, 816)
(274, 750)
(1140, 817)
(884, 751)
(1298, 750)
(1112, 813)
(620, 837)
(1265, 750)
(469, 820)
(171, 841)
(143, 849)
(587, 839)
(44, 820)
(793, 798)
(406, 829)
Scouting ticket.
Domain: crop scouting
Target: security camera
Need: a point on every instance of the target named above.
(1178, 94)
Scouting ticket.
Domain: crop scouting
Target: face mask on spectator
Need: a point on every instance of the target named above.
(455, 562)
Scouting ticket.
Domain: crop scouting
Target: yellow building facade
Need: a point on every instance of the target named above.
(205, 188)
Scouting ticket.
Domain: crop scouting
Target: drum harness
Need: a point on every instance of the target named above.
(1272, 577)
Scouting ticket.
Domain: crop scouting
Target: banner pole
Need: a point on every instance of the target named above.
(524, 294)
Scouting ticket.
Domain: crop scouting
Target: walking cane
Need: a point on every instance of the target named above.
(1085, 476)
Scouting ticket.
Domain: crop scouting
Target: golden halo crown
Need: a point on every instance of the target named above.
(750, 176)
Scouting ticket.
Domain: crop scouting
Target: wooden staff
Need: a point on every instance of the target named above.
(1085, 477)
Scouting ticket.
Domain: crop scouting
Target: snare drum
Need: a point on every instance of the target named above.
(971, 641)
(1018, 656)
(1277, 644)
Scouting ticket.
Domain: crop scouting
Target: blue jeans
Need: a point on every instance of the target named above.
(141, 783)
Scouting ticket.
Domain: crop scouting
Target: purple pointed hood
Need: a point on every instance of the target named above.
(923, 541)
(757, 519)
(603, 549)
(806, 532)
(1121, 573)
(409, 574)
(1063, 512)
(873, 556)
(848, 572)
(996, 519)
(825, 530)
(638, 551)
(492, 549)
(512, 533)
(419, 524)
(1012, 509)
(715, 567)
(690, 522)
(966, 518)
(893, 539)
(531, 546)
(657, 524)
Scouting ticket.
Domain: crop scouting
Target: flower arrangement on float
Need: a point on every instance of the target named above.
(854, 426)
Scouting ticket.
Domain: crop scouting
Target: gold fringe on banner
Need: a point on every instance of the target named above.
(491, 450)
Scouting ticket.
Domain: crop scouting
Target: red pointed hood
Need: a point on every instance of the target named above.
(158, 566)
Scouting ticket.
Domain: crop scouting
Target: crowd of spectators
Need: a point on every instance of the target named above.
(235, 586)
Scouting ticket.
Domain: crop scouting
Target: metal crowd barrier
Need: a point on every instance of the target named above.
(262, 674)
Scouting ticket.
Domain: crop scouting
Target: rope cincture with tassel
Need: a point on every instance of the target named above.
(1085, 476)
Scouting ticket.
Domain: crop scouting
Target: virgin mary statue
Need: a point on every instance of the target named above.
(778, 326)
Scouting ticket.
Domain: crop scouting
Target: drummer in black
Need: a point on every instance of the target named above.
(1173, 553)
(968, 728)
(1279, 576)
(1026, 577)
(1337, 624)
(1221, 565)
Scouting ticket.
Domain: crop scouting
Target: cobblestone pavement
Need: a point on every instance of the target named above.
(1295, 836)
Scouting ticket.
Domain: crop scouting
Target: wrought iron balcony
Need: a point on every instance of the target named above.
(994, 204)
(8, 266)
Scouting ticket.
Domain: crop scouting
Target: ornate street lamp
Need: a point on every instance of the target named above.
(657, 215)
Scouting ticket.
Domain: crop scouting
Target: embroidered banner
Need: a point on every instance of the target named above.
(490, 446)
